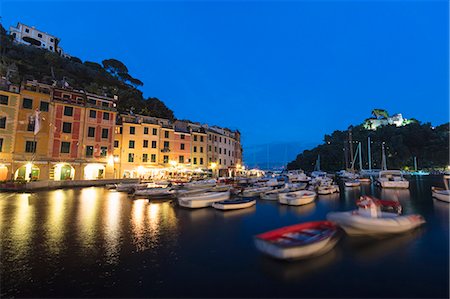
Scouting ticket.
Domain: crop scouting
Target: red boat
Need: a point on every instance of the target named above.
(389, 206)
(299, 241)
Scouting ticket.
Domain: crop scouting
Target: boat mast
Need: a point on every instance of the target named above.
(368, 151)
(350, 141)
(360, 157)
(415, 163)
(383, 158)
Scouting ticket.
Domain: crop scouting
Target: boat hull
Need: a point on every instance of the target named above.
(302, 198)
(233, 206)
(202, 201)
(442, 195)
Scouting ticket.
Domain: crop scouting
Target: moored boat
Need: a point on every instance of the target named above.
(155, 192)
(234, 204)
(254, 192)
(298, 241)
(441, 194)
(202, 200)
(352, 183)
(327, 189)
(392, 179)
(297, 198)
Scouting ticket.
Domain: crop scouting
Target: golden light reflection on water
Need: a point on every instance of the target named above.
(55, 222)
(147, 222)
(112, 229)
(87, 216)
(22, 228)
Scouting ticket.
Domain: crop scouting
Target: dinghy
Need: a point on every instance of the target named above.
(298, 241)
(273, 194)
(369, 220)
(202, 200)
(364, 180)
(352, 183)
(234, 204)
(441, 194)
(297, 198)
(327, 189)
(388, 206)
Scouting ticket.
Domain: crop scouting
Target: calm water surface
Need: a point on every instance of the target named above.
(92, 242)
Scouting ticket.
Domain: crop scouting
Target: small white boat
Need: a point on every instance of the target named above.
(327, 189)
(200, 184)
(364, 180)
(273, 194)
(370, 219)
(297, 198)
(298, 241)
(111, 186)
(234, 204)
(392, 179)
(202, 200)
(441, 194)
(254, 192)
(155, 192)
(352, 183)
(128, 187)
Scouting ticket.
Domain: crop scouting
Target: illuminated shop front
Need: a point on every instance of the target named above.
(27, 172)
(63, 172)
(94, 171)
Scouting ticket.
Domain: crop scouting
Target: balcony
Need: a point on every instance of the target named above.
(165, 150)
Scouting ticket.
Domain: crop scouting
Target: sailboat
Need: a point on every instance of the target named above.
(390, 178)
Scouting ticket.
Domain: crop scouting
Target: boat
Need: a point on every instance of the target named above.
(297, 198)
(441, 194)
(273, 194)
(234, 204)
(202, 200)
(128, 187)
(364, 180)
(200, 184)
(369, 219)
(352, 183)
(254, 192)
(155, 192)
(298, 241)
(392, 179)
(388, 206)
(327, 189)
(111, 186)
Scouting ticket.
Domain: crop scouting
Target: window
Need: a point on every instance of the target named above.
(92, 114)
(131, 144)
(3, 100)
(51, 40)
(153, 158)
(1, 145)
(66, 96)
(201, 161)
(31, 123)
(209, 147)
(181, 159)
(154, 131)
(145, 145)
(220, 139)
(67, 127)
(27, 103)
(225, 162)
(105, 133)
(195, 149)
(153, 144)
(39, 35)
(220, 161)
(27, 30)
(215, 138)
(166, 134)
(195, 161)
(105, 104)
(103, 151)
(182, 146)
(215, 149)
(65, 147)
(132, 130)
(182, 136)
(201, 149)
(68, 111)
(166, 159)
(130, 157)
(195, 137)
(91, 132)
(106, 115)
(89, 151)
(166, 144)
(220, 150)
(224, 140)
(43, 106)
(146, 130)
(201, 138)
(116, 143)
(209, 136)
(144, 157)
(3, 122)
(225, 151)
(91, 101)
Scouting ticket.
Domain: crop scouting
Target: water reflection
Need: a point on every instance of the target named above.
(55, 222)
(304, 210)
(236, 213)
(112, 227)
(87, 217)
(298, 270)
(442, 210)
(395, 194)
(369, 249)
(22, 225)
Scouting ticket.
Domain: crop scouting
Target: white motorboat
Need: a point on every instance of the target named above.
(352, 183)
(299, 241)
(297, 198)
(155, 192)
(234, 204)
(202, 200)
(327, 189)
(111, 186)
(441, 194)
(273, 194)
(392, 179)
(254, 192)
(369, 219)
(200, 184)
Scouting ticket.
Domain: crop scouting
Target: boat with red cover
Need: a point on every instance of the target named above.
(299, 241)
(388, 206)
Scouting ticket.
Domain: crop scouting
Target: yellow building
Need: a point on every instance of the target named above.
(199, 147)
(136, 147)
(9, 107)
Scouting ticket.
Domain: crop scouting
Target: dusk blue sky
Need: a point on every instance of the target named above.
(283, 73)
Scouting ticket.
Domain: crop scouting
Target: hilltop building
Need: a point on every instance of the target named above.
(29, 35)
(382, 118)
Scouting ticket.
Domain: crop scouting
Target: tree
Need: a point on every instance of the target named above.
(114, 67)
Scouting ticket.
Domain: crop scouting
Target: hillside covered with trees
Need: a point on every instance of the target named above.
(429, 144)
(21, 62)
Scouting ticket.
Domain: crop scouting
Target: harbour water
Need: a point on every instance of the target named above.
(92, 242)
